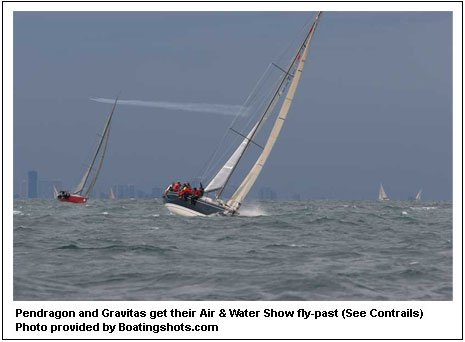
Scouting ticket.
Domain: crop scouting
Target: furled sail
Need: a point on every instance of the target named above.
(240, 194)
(382, 194)
(418, 196)
(103, 137)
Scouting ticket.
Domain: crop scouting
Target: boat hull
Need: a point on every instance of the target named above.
(74, 199)
(187, 207)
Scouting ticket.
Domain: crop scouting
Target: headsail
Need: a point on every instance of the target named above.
(112, 194)
(240, 194)
(418, 196)
(103, 137)
(382, 194)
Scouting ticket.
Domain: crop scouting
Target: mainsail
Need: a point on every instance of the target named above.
(103, 138)
(418, 196)
(382, 194)
(240, 194)
(112, 194)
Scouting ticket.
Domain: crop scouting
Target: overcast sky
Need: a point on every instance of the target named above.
(374, 103)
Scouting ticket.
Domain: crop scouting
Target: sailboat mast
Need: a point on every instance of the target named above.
(82, 184)
(102, 156)
(270, 107)
(250, 179)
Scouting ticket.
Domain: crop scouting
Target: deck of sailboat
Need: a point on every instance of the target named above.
(186, 207)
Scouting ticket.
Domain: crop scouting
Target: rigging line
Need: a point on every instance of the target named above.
(210, 163)
(253, 142)
(296, 58)
(99, 145)
(282, 70)
(296, 37)
(233, 145)
(249, 99)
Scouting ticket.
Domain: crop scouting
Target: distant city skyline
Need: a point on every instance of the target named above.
(44, 189)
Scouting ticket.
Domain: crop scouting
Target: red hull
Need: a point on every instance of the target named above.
(74, 199)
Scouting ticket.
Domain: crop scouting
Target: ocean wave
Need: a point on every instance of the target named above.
(122, 248)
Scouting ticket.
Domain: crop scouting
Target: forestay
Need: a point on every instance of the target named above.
(240, 194)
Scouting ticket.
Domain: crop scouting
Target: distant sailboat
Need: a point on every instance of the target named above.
(382, 194)
(204, 205)
(418, 196)
(80, 195)
(112, 194)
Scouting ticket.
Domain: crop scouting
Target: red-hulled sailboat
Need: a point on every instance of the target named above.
(80, 195)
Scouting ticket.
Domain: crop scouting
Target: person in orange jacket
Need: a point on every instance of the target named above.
(177, 187)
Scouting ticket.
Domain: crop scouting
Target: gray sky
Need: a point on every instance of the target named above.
(374, 103)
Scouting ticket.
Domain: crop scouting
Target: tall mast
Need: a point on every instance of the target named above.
(221, 179)
(82, 184)
(102, 156)
(250, 179)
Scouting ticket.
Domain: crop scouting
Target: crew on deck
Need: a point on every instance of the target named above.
(185, 191)
(63, 194)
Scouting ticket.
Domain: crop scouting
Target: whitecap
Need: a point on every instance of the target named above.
(17, 212)
(105, 213)
(252, 211)
(155, 215)
(404, 213)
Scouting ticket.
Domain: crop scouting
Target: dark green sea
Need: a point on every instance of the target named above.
(277, 250)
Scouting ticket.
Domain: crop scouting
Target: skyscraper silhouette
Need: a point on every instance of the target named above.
(32, 184)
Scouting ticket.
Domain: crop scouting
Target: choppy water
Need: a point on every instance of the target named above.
(306, 250)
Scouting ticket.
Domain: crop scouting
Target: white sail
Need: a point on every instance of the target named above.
(240, 194)
(100, 164)
(222, 176)
(112, 194)
(83, 181)
(418, 196)
(55, 192)
(382, 194)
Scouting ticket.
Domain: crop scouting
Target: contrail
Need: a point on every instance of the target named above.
(189, 107)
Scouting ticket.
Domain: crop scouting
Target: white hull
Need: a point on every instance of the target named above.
(178, 210)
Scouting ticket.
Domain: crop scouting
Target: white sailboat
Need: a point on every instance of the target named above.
(418, 196)
(190, 206)
(382, 194)
(112, 194)
(81, 193)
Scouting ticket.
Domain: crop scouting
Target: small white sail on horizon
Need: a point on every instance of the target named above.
(418, 196)
(112, 194)
(382, 194)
